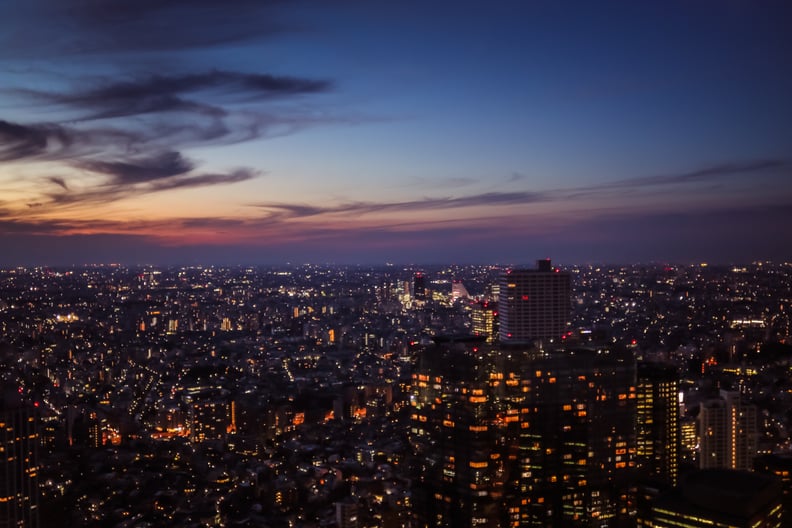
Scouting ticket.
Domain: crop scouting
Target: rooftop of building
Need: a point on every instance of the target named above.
(723, 494)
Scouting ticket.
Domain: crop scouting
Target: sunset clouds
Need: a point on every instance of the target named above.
(351, 132)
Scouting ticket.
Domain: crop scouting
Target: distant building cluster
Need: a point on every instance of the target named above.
(352, 397)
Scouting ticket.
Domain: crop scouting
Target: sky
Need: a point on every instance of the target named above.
(364, 132)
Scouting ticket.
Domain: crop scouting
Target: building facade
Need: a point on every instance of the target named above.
(721, 498)
(509, 436)
(658, 422)
(728, 429)
(534, 304)
(484, 320)
(19, 442)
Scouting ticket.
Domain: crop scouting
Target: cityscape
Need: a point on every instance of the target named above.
(397, 396)
(355, 264)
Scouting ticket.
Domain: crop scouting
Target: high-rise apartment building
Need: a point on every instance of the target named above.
(713, 434)
(728, 430)
(658, 422)
(534, 304)
(212, 416)
(19, 439)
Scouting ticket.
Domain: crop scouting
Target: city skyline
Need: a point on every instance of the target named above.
(319, 396)
(349, 132)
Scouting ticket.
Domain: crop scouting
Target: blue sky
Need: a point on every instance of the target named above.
(363, 132)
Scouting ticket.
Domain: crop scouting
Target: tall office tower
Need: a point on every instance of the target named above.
(419, 286)
(658, 422)
(534, 304)
(484, 319)
(728, 430)
(689, 439)
(576, 459)
(19, 438)
(504, 437)
(459, 450)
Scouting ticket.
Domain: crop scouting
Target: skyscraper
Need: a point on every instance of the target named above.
(728, 431)
(534, 304)
(657, 422)
(576, 457)
(484, 319)
(713, 434)
(19, 439)
(505, 436)
(419, 286)
(458, 446)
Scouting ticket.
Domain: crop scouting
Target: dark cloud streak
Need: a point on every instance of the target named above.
(154, 94)
(22, 141)
(159, 166)
(146, 150)
(705, 174)
(203, 180)
(132, 128)
(60, 182)
(102, 28)
(484, 199)
(120, 189)
(50, 141)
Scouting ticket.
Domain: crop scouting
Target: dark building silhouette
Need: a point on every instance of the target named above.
(211, 414)
(534, 304)
(658, 422)
(419, 286)
(19, 439)
(779, 465)
(720, 497)
(459, 449)
(506, 436)
(577, 441)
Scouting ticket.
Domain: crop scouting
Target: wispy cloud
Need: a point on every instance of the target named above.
(60, 182)
(475, 200)
(19, 141)
(123, 135)
(118, 190)
(140, 170)
(712, 173)
(143, 155)
(96, 27)
(111, 154)
(53, 142)
(176, 93)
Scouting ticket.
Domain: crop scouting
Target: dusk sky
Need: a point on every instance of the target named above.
(265, 132)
